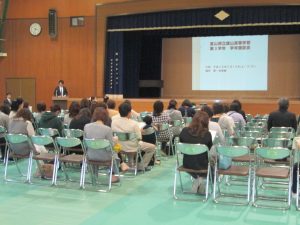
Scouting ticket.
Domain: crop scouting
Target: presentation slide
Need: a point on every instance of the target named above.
(224, 63)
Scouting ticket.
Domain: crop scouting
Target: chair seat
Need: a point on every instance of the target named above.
(235, 171)
(99, 163)
(133, 153)
(271, 161)
(44, 156)
(18, 156)
(183, 169)
(271, 172)
(244, 158)
(71, 158)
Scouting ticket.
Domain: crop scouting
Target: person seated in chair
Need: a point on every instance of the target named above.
(187, 109)
(125, 124)
(51, 120)
(197, 133)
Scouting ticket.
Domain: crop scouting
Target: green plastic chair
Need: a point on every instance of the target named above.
(69, 142)
(263, 170)
(190, 149)
(235, 170)
(15, 141)
(100, 145)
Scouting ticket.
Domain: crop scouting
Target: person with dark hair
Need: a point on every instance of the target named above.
(74, 109)
(111, 105)
(4, 120)
(85, 103)
(174, 114)
(197, 133)
(282, 117)
(235, 115)
(187, 109)
(51, 120)
(134, 114)
(241, 111)
(160, 117)
(105, 99)
(81, 119)
(7, 101)
(97, 129)
(16, 105)
(5, 109)
(225, 121)
(41, 108)
(126, 125)
(60, 90)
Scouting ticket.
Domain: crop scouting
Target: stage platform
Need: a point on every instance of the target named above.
(252, 106)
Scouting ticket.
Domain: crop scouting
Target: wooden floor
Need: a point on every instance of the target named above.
(146, 199)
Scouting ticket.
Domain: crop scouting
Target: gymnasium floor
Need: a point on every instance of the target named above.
(146, 199)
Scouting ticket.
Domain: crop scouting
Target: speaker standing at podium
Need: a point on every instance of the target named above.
(60, 90)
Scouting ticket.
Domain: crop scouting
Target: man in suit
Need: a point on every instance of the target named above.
(7, 101)
(60, 90)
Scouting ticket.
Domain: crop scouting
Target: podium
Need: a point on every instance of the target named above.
(61, 101)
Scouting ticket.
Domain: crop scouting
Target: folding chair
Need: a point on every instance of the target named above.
(77, 133)
(163, 129)
(50, 156)
(187, 121)
(3, 132)
(190, 149)
(49, 132)
(149, 135)
(69, 142)
(273, 172)
(19, 147)
(234, 170)
(282, 129)
(132, 156)
(97, 147)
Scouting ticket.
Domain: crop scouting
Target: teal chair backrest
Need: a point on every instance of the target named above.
(276, 142)
(48, 132)
(282, 129)
(288, 135)
(41, 140)
(96, 144)
(125, 136)
(242, 141)
(73, 133)
(191, 149)
(68, 142)
(16, 138)
(233, 151)
(272, 153)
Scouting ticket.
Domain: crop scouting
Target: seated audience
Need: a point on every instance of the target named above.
(84, 103)
(111, 105)
(96, 129)
(235, 115)
(81, 119)
(51, 119)
(41, 108)
(197, 133)
(15, 106)
(73, 111)
(7, 101)
(174, 114)
(126, 125)
(5, 109)
(187, 109)
(240, 109)
(4, 120)
(282, 117)
(226, 122)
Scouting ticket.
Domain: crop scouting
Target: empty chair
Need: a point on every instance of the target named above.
(282, 176)
(19, 147)
(100, 155)
(69, 142)
(234, 170)
(190, 150)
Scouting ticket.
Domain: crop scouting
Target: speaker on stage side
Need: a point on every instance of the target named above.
(52, 23)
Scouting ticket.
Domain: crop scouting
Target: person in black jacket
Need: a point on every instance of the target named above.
(282, 117)
(51, 119)
(60, 90)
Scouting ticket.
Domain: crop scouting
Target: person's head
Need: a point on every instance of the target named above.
(8, 95)
(61, 83)
(41, 107)
(234, 107)
(111, 104)
(5, 109)
(186, 103)
(125, 110)
(283, 104)
(172, 104)
(55, 109)
(20, 102)
(74, 109)
(26, 105)
(239, 104)
(158, 108)
(100, 114)
(84, 103)
(226, 107)
(218, 108)
(102, 105)
(208, 110)
(105, 99)
(16, 104)
(85, 112)
(148, 120)
(24, 113)
(128, 102)
(199, 124)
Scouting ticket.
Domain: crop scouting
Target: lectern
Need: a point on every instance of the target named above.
(61, 101)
